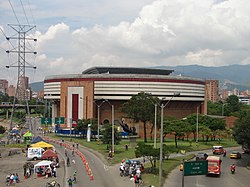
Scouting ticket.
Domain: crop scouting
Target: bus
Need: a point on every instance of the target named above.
(214, 165)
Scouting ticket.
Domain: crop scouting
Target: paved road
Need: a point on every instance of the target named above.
(239, 179)
(104, 175)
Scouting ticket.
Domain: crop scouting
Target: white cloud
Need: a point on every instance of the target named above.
(163, 32)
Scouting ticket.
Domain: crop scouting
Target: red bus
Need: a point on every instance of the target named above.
(214, 165)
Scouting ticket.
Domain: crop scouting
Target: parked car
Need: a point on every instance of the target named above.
(201, 156)
(235, 154)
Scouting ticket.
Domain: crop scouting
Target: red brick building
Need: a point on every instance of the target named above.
(77, 96)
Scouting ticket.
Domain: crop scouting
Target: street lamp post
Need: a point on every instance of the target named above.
(113, 130)
(197, 124)
(161, 139)
(98, 119)
(155, 125)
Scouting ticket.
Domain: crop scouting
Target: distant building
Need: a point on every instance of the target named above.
(3, 86)
(212, 90)
(11, 91)
(40, 94)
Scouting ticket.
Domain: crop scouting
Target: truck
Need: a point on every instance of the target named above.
(214, 165)
(35, 153)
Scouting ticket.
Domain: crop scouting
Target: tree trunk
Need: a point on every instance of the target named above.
(175, 139)
(145, 132)
(151, 132)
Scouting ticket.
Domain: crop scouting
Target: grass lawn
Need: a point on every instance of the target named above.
(121, 153)
(152, 177)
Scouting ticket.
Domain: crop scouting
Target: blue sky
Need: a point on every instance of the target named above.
(75, 35)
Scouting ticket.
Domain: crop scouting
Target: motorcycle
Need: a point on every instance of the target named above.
(232, 170)
(52, 184)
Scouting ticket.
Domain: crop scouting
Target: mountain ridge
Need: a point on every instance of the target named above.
(230, 77)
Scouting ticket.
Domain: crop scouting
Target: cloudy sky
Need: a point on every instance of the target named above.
(76, 35)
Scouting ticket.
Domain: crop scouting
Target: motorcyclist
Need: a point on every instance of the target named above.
(224, 153)
(232, 168)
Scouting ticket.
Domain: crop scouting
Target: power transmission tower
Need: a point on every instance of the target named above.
(21, 50)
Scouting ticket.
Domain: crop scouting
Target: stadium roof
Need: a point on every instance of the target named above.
(127, 70)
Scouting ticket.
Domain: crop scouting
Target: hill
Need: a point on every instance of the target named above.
(230, 77)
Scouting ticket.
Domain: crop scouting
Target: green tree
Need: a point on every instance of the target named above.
(241, 131)
(175, 127)
(82, 125)
(107, 135)
(233, 106)
(147, 151)
(140, 108)
(205, 132)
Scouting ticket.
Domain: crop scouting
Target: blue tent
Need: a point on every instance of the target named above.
(37, 139)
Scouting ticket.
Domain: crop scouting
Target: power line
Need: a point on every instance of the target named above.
(31, 14)
(24, 12)
(14, 12)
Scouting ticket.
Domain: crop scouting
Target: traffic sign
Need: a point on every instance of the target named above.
(59, 120)
(46, 121)
(195, 168)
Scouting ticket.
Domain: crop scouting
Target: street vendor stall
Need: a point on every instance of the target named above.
(37, 139)
(43, 168)
(27, 137)
(43, 145)
(49, 155)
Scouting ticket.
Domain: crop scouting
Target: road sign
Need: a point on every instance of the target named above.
(46, 121)
(195, 168)
(59, 120)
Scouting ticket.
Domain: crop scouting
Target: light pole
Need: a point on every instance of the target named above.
(98, 119)
(222, 109)
(155, 125)
(161, 139)
(197, 122)
(113, 130)
(113, 127)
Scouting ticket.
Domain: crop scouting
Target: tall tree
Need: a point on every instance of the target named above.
(175, 127)
(241, 131)
(140, 108)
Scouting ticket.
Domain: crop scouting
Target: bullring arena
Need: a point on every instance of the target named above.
(77, 96)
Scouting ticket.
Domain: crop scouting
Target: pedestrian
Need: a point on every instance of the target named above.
(73, 152)
(68, 162)
(65, 152)
(77, 145)
(73, 145)
(70, 182)
(54, 171)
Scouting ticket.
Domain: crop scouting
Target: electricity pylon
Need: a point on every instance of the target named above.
(21, 50)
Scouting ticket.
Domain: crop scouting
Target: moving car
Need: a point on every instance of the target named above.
(218, 150)
(201, 156)
(235, 154)
(181, 167)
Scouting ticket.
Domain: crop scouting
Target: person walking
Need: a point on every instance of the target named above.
(70, 182)
(68, 162)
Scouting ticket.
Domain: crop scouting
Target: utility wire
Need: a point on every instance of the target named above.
(14, 12)
(24, 12)
(31, 13)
